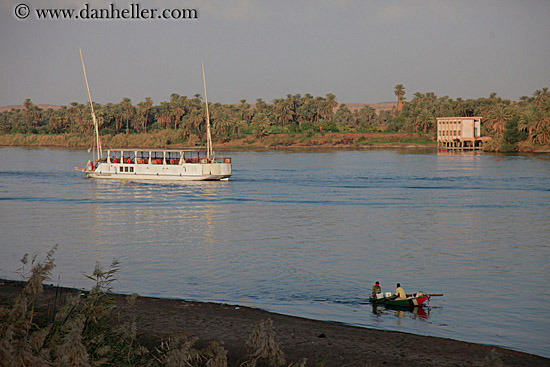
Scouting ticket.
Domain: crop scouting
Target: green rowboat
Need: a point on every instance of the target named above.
(413, 300)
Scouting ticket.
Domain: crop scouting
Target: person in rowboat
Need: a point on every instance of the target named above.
(400, 292)
(376, 289)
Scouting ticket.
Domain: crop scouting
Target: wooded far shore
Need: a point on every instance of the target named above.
(297, 120)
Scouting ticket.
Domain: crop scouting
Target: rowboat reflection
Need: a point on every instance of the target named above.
(413, 312)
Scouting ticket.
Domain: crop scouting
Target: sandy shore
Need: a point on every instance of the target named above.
(322, 343)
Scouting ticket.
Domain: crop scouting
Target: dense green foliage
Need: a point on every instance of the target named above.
(508, 123)
(530, 117)
(292, 114)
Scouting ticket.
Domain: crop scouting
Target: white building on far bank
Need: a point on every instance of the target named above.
(459, 133)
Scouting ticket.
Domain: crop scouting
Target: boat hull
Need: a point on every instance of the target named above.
(161, 172)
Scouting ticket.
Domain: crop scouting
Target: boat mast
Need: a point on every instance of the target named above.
(209, 150)
(98, 142)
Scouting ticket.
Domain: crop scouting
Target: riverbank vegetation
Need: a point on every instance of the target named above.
(296, 120)
(89, 329)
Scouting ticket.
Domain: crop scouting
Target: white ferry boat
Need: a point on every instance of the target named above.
(189, 164)
(159, 164)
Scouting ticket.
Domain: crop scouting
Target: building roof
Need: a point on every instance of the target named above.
(459, 118)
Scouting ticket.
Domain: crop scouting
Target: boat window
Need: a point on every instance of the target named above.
(191, 157)
(142, 157)
(114, 157)
(131, 169)
(157, 157)
(173, 157)
(129, 157)
(121, 169)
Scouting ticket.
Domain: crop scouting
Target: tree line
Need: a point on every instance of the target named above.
(525, 122)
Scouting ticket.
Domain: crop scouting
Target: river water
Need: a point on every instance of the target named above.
(306, 234)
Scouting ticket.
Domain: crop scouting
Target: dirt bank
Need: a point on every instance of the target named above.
(322, 343)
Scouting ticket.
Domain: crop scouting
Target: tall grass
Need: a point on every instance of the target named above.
(263, 344)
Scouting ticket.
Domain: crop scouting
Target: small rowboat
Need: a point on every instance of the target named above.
(413, 300)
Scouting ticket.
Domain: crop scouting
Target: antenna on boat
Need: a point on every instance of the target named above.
(209, 150)
(98, 142)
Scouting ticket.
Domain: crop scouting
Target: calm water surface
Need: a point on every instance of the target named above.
(306, 234)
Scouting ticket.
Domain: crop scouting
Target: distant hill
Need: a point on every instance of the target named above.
(382, 106)
(21, 107)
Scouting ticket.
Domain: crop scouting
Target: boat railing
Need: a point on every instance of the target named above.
(208, 160)
(164, 161)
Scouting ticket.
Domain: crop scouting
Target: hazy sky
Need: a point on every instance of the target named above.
(356, 49)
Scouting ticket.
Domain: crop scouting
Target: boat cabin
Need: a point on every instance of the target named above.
(163, 157)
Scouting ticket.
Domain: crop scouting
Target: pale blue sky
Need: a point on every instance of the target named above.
(356, 49)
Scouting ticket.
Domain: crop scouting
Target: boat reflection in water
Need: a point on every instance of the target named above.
(416, 313)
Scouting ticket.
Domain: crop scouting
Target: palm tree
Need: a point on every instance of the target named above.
(261, 106)
(539, 95)
(303, 114)
(143, 111)
(33, 113)
(164, 116)
(126, 105)
(28, 112)
(244, 110)
(305, 111)
(109, 115)
(148, 106)
(178, 108)
(75, 115)
(498, 114)
(528, 119)
(64, 117)
(345, 117)
(330, 105)
(367, 112)
(317, 106)
(425, 120)
(196, 118)
(400, 93)
(541, 129)
(283, 111)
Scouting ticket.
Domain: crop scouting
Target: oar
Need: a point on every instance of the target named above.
(435, 295)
